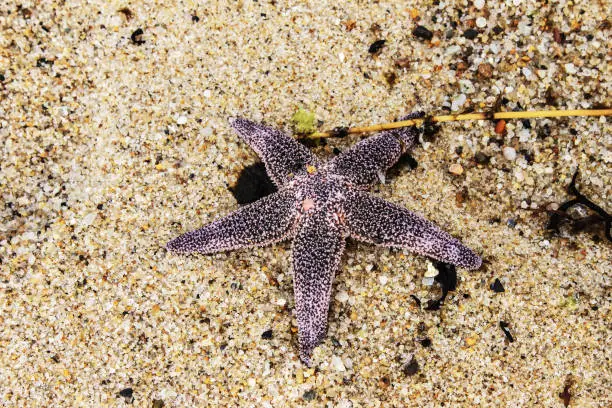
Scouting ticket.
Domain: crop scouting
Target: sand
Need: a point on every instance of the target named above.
(114, 141)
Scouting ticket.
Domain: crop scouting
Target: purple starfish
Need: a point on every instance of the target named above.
(318, 206)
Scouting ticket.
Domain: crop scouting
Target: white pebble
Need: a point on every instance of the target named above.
(428, 281)
(281, 302)
(251, 382)
(481, 22)
(509, 153)
(342, 296)
(570, 68)
(181, 120)
(207, 93)
(207, 131)
(383, 279)
(524, 135)
(337, 363)
(458, 102)
(89, 219)
(431, 271)
(479, 4)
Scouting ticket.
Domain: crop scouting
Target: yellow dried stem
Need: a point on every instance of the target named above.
(472, 116)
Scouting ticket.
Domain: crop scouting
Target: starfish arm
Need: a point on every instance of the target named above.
(374, 220)
(317, 249)
(366, 162)
(266, 221)
(282, 155)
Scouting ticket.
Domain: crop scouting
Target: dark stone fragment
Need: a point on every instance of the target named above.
(310, 395)
(42, 61)
(590, 37)
(449, 34)
(470, 33)
(366, 75)
(498, 30)
(267, 335)
(339, 132)
(447, 278)
(565, 395)
(561, 215)
(137, 37)
(426, 342)
(422, 32)
(497, 286)
(481, 158)
(100, 206)
(544, 131)
(390, 77)
(528, 156)
(526, 123)
(157, 403)
(430, 130)
(253, 184)
(128, 394)
(416, 300)
(506, 330)
(195, 18)
(459, 150)
(376, 46)
(411, 368)
(336, 151)
(2, 77)
(127, 13)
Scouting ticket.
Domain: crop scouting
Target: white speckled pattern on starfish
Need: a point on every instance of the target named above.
(319, 206)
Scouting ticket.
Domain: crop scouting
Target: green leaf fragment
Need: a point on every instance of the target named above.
(304, 122)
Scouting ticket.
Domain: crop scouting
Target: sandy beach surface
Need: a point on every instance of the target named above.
(114, 139)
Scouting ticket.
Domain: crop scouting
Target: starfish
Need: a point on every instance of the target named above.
(319, 205)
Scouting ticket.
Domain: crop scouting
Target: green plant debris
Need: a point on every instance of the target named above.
(304, 122)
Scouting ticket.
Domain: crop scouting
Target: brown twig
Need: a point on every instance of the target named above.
(467, 116)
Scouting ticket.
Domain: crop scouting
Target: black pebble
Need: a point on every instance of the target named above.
(267, 335)
(195, 18)
(497, 286)
(253, 184)
(422, 32)
(426, 342)
(504, 327)
(128, 394)
(376, 46)
(310, 395)
(411, 368)
(447, 278)
(336, 151)
(339, 132)
(481, 158)
(137, 37)
(498, 30)
(470, 34)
